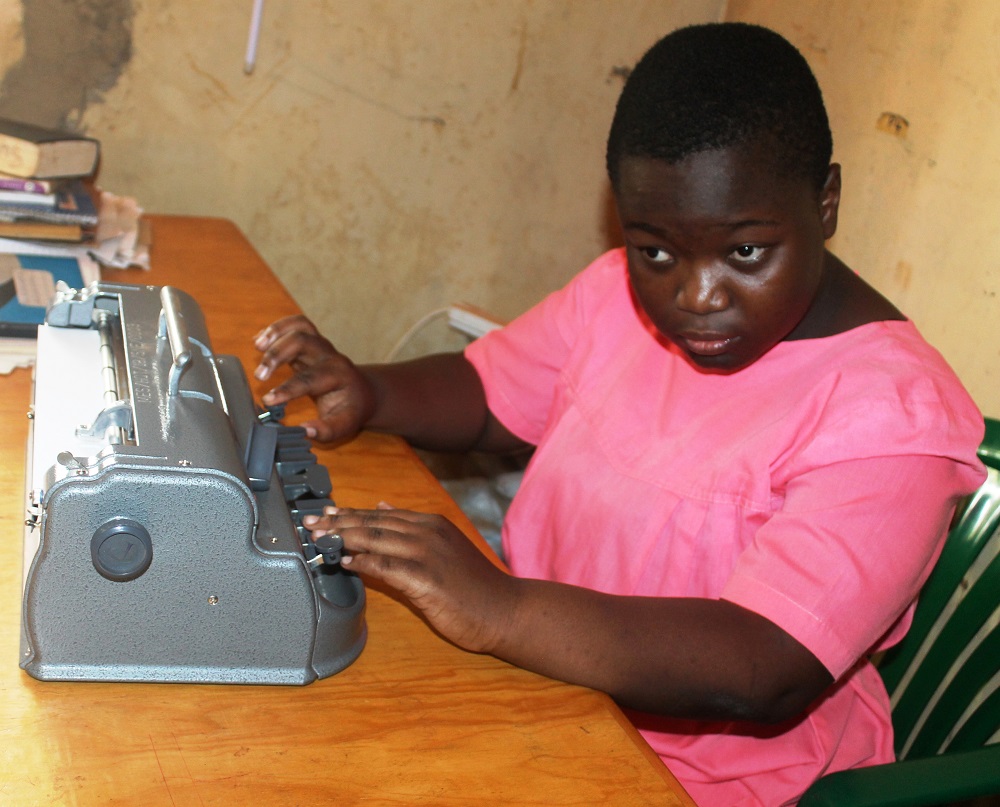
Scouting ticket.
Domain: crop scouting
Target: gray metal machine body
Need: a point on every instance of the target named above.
(163, 538)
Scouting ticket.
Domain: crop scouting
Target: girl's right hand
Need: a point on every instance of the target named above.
(344, 397)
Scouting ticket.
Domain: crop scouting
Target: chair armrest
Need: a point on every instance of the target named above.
(911, 783)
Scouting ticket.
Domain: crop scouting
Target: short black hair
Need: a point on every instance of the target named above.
(722, 85)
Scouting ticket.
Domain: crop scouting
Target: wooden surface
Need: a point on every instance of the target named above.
(413, 721)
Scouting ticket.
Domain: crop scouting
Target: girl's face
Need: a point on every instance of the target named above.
(724, 257)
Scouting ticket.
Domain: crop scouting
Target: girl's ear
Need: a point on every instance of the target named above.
(829, 201)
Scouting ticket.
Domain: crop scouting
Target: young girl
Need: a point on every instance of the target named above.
(745, 457)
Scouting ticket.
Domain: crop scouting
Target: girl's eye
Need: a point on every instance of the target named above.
(655, 254)
(748, 253)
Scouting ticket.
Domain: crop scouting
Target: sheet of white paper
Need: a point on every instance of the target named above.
(69, 392)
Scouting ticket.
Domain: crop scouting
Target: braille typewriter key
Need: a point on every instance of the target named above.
(261, 449)
(272, 414)
(293, 436)
(318, 481)
(308, 507)
(294, 461)
(312, 482)
(328, 550)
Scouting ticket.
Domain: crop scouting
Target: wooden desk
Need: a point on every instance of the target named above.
(413, 721)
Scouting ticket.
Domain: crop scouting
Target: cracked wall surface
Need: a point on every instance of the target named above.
(69, 53)
(389, 157)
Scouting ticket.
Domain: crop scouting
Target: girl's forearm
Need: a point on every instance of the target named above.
(436, 402)
(682, 657)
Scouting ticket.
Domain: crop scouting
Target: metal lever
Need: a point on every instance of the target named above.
(173, 325)
(172, 321)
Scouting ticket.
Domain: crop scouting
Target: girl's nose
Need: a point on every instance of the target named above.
(701, 291)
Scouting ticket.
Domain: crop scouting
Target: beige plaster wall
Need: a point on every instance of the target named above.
(919, 217)
(11, 35)
(388, 157)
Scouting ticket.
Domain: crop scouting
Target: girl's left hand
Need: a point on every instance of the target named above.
(463, 595)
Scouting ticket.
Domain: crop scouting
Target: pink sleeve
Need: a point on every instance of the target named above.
(871, 536)
(520, 364)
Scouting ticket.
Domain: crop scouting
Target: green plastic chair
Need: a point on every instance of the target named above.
(944, 677)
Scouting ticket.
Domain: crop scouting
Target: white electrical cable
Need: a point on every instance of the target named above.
(420, 323)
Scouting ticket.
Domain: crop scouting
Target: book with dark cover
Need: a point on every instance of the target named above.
(27, 150)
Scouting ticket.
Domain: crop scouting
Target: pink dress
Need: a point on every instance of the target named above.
(813, 487)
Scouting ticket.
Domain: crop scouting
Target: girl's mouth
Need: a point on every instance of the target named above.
(706, 345)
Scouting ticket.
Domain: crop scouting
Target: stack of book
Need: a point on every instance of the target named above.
(44, 191)
(47, 211)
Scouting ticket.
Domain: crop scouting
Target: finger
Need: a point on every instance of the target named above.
(399, 555)
(386, 517)
(397, 572)
(353, 528)
(342, 518)
(296, 347)
(313, 381)
(396, 538)
(321, 523)
(318, 430)
(266, 337)
(328, 430)
(381, 550)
